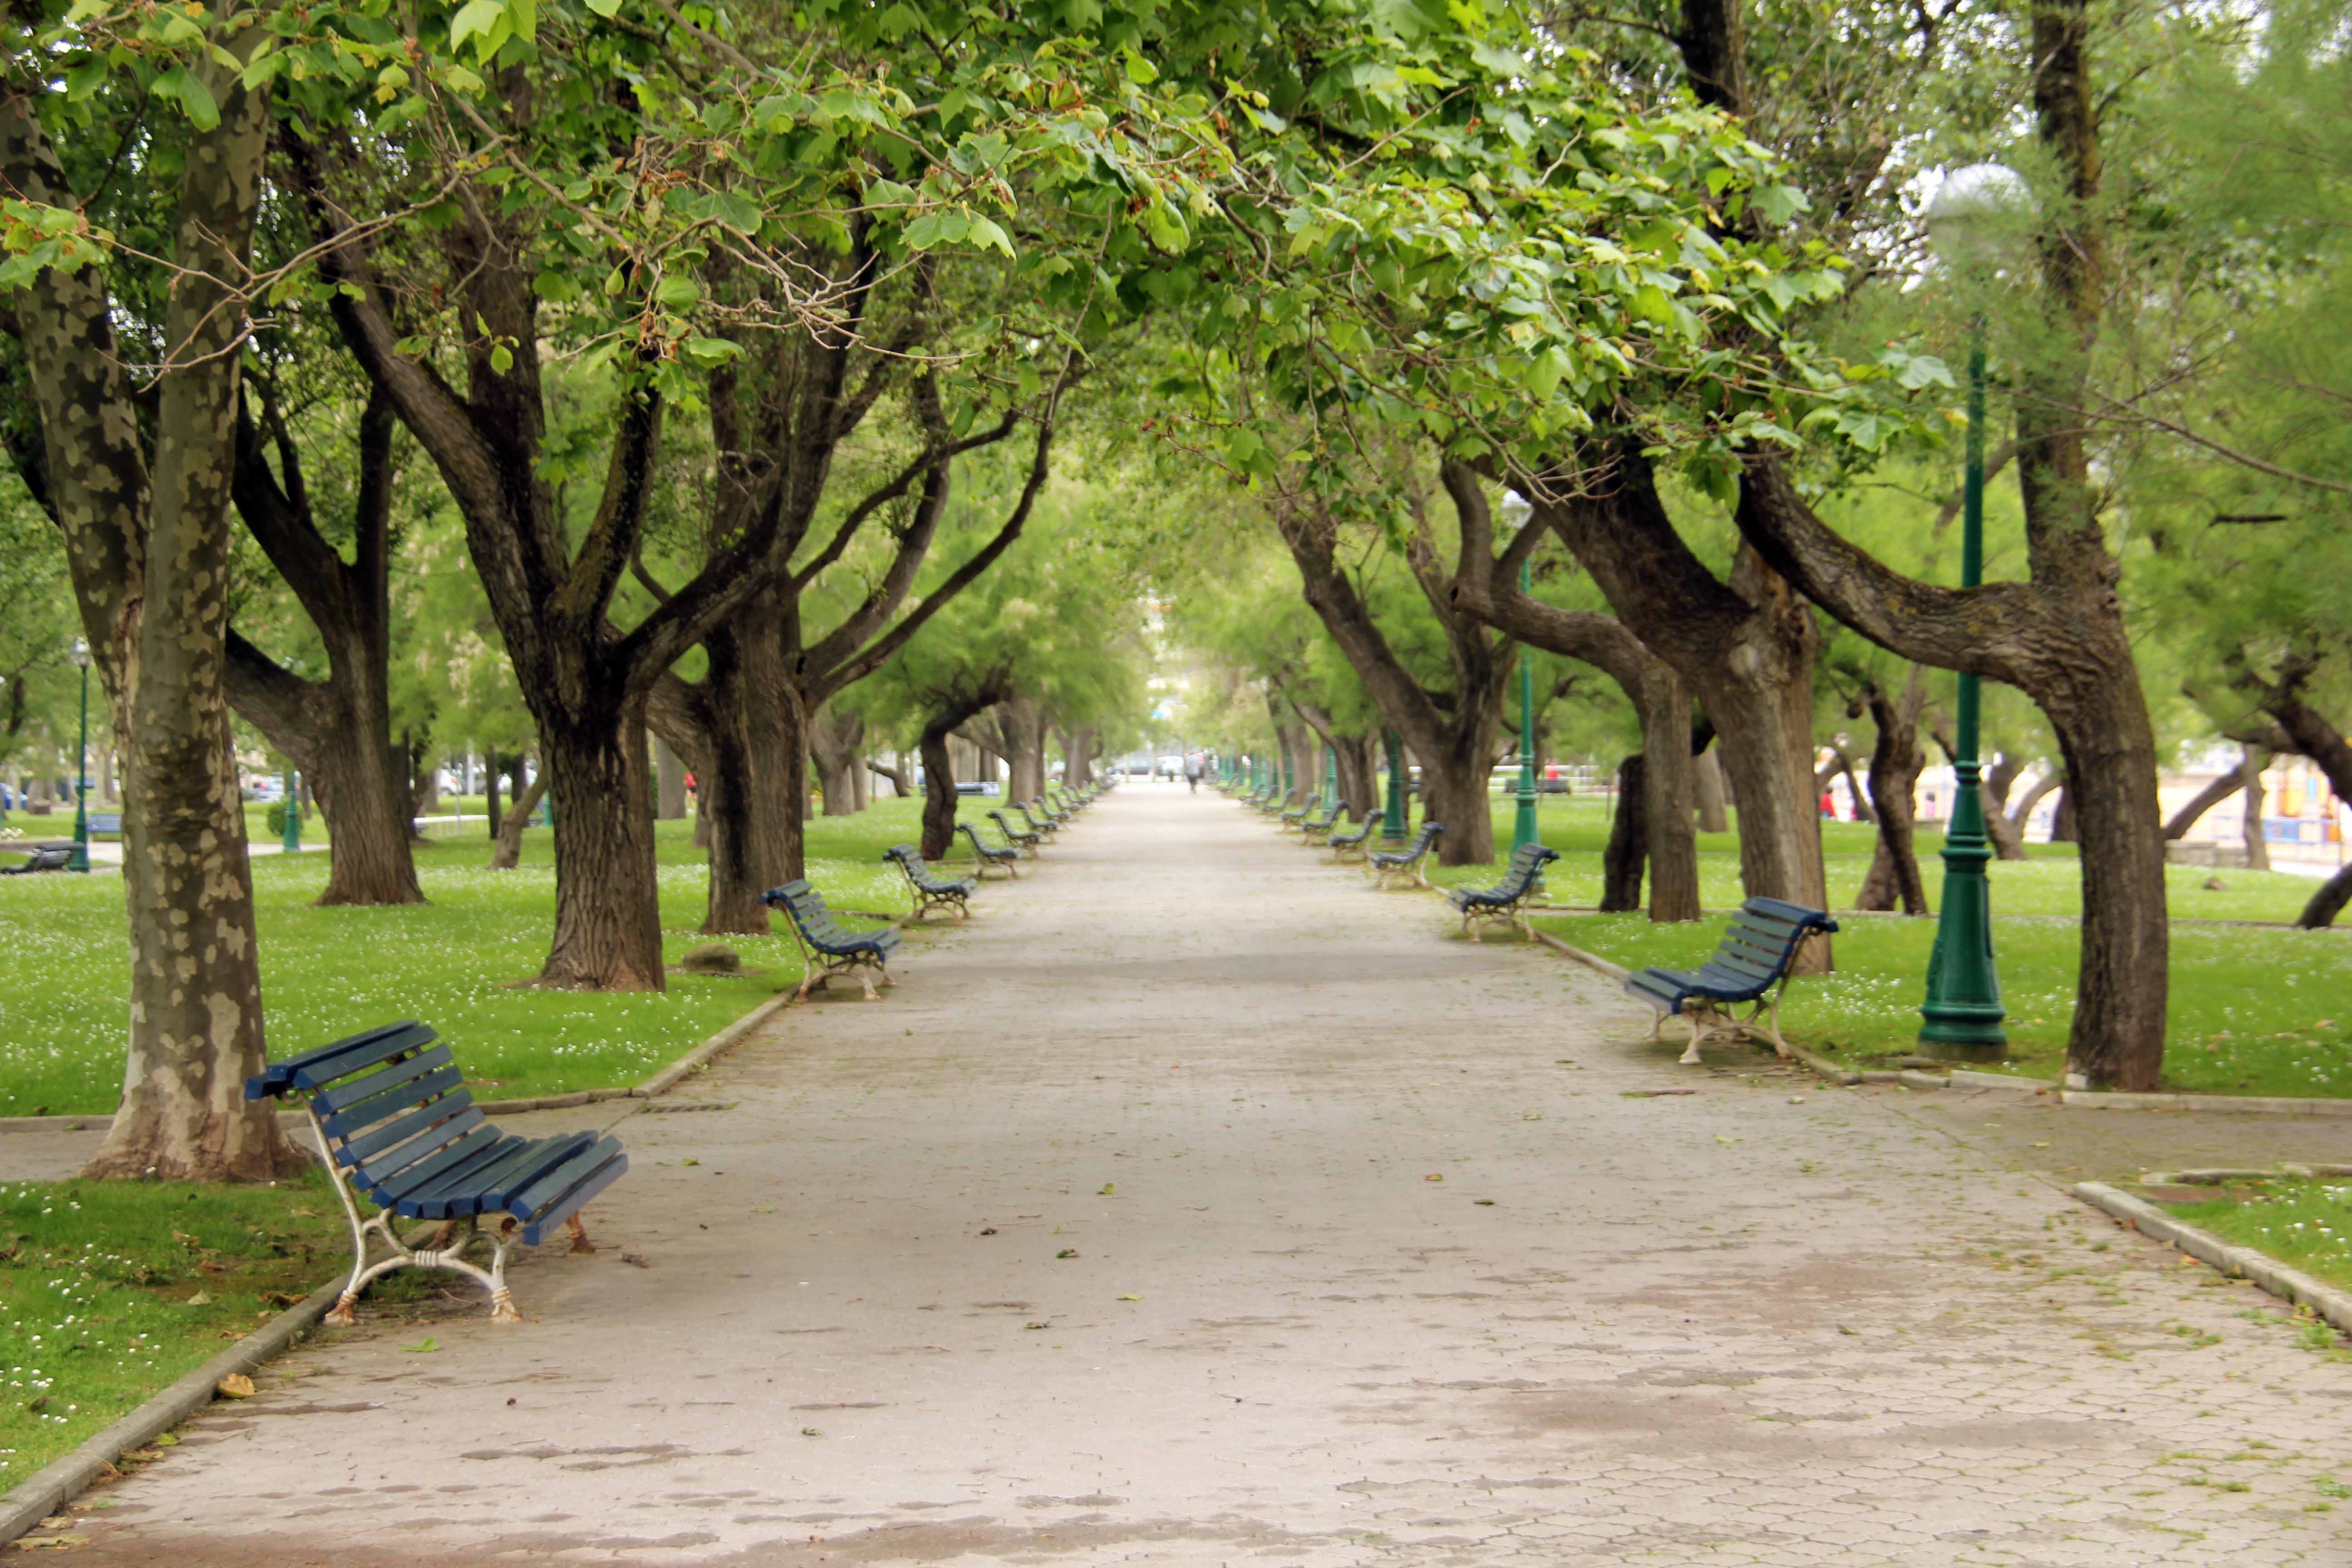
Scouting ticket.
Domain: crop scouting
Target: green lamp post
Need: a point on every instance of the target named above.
(292, 841)
(1963, 1011)
(1392, 821)
(1523, 825)
(79, 859)
(1330, 773)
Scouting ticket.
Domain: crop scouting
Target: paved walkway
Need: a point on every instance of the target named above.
(1196, 1205)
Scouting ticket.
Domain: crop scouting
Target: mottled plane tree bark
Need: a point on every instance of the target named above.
(147, 542)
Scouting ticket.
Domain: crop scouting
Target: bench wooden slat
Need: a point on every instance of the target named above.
(500, 1186)
(530, 1199)
(457, 1193)
(315, 1069)
(368, 1112)
(364, 1146)
(344, 1095)
(414, 1152)
(572, 1202)
(479, 1146)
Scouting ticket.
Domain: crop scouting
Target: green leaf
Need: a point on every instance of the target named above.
(195, 99)
(677, 292)
(986, 235)
(710, 352)
(501, 359)
(607, 9)
(1141, 71)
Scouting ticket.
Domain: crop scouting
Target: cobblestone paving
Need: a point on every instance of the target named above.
(1195, 1205)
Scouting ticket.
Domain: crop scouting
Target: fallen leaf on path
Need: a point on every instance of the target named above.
(1843, 1329)
(1484, 1203)
(635, 1260)
(811, 1432)
(988, 1230)
(1433, 1176)
(1652, 1093)
(1067, 1252)
(1107, 1188)
(2043, 1144)
(53, 1543)
(1130, 1298)
(425, 1346)
(1721, 1138)
(235, 1385)
(200, 1298)
(689, 1162)
(1036, 1325)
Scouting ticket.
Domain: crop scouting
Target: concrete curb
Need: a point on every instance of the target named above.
(2288, 1284)
(2241, 1105)
(2222, 1174)
(63, 1479)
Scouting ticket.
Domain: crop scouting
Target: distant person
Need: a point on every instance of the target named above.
(1828, 805)
(1192, 774)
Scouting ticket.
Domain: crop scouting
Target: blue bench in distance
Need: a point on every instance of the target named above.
(1758, 948)
(931, 891)
(990, 856)
(1354, 844)
(398, 1126)
(1406, 861)
(827, 949)
(1026, 842)
(1505, 901)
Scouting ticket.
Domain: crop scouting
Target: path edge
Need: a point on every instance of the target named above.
(2288, 1284)
(62, 1479)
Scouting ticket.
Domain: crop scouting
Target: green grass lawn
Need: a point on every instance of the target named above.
(108, 1291)
(2252, 1010)
(455, 962)
(2305, 1225)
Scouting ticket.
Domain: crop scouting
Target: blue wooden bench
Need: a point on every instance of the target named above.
(398, 1126)
(38, 858)
(827, 949)
(1054, 816)
(1758, 948)
(1020, 839)
(1505, 901)
(1387, 863)
(1313, 829)
(106, 822)
(1355, 844)
(932, 891)
(990, 856)
(1045, 829)
(1306, 809)
(1275, 804)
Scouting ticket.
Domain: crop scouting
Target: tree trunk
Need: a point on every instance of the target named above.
(1022, 731)
(1622, 861)
(2021, 816)
(861, 782)
(2327, 902)
(1863, 810)
(2063, 828)
(900, 788)
(149, 554)
(607, 909)
(2109, 748)
(426, 772)
(2176, 827)
(727, 802)
(837, 743)
(939, 798)
(669, 783)
(1078, 755)
(1713, 816)
(491, 791)
(1895, 761)
(2258, 849)
(506, 853)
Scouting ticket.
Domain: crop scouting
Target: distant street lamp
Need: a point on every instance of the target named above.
(79, 859)
(1963, 1010)
(292, 841)
(1392, 821)
(1523, 825)
(1330, 772)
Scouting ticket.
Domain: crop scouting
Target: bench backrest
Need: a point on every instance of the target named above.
(1009, 832)
(1526, 861)
(981, 846)
(1763, 937)
(1423, 839)
(806, 907)
(919, 871)
(390, 1102)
